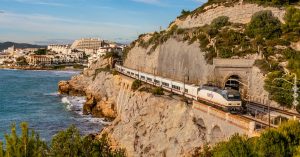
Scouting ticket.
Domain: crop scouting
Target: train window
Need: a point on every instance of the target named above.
(156, 81)
(149, 79)
(128, 72)
(165, 84)
(132, 73)
(175, 87)
(186, 90)
(143, 77)
(136, 75)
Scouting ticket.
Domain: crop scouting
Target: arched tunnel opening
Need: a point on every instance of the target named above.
(233, 83)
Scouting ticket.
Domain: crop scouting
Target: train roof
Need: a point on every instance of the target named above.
(226, 93)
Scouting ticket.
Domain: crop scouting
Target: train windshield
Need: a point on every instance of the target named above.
(233, 95)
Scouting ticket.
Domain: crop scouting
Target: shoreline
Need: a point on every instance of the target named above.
(33, 68)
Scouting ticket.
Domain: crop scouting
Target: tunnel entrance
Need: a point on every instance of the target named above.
(233, 82)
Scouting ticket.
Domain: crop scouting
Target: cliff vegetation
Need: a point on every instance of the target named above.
(284, 141)
(65, 143)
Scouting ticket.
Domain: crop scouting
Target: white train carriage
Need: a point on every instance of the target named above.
(191, 91)
(166, 83)
(228, 100)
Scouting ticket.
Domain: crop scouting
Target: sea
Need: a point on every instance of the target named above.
(32, 97)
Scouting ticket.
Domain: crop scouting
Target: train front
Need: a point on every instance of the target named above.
(234, 101)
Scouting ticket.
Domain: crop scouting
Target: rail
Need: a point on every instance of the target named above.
(284, 112)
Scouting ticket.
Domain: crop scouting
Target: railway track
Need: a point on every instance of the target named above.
(284, 112)
(258, 122)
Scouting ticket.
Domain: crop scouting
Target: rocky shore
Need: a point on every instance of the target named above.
(36, 68)
(143, 124)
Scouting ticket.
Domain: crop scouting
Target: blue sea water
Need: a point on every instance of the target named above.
(31, 96)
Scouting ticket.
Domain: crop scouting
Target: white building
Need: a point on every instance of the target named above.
(64, 49)
(88, 45)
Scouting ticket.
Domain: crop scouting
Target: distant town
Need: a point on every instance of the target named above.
(78, 55)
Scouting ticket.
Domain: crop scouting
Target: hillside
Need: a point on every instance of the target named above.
(267, 33)
(6, 45)
(150, 125)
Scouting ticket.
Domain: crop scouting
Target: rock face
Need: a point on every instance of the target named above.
(155, 126)
(172, 59)
(143, 124)
(96, 88)
(239, 13)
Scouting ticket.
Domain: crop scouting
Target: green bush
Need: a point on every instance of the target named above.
(203, 40)
(158, 91)
(225, 52)
(264, 24)
(237, 146)
(280, 91)
(21, 61)
(281, 142)
(276, 3)
(67, 143)
(41, 52)
(28, 144)
(136, 85)
(220, 22)
(292, 20)
(70, 143)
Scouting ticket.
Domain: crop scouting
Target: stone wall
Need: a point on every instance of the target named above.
(173, 59)
(239, 13)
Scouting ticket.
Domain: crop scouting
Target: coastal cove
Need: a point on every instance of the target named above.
(31, 96)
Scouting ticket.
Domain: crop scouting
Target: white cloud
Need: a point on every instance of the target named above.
(148, 1)
(38, 27)
(42, 2)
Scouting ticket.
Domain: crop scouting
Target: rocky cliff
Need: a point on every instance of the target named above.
(144, 124)
(238, 13)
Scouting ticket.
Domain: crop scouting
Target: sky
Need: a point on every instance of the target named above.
(62, 21)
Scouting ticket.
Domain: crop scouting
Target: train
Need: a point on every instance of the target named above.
(228, 100)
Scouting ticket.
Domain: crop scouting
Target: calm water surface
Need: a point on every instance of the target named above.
(31, 96)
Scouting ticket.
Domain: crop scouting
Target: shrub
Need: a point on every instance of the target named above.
(283, 141)
(264, 24)
(220, 22)
(191, 41)
(292, 19)
(276, 3)
(184, 14)
(21, 61)
(158, 91)
(115, 72)
(237, 146)
(210, 54)
(70, 143)
(280, 91)
(203, 40)
(28, 144)
(136, 85)
(225, 52)
(66, 143)
(41, 52)
(180, 31)
(272, 143)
